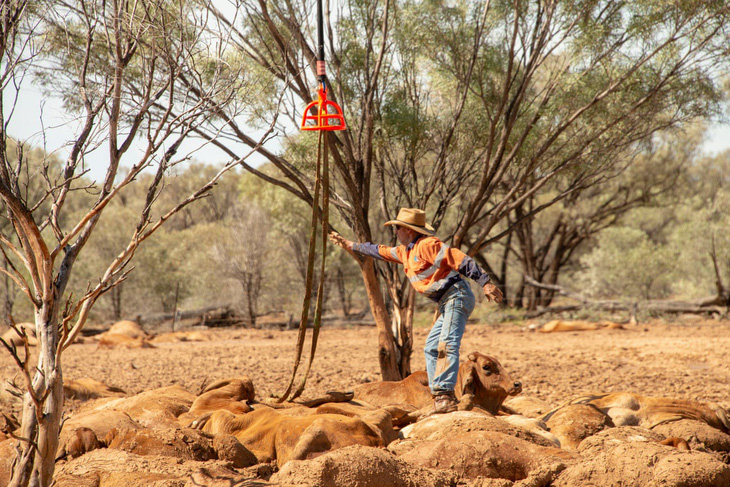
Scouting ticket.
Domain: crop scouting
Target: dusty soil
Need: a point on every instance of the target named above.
(687, 359)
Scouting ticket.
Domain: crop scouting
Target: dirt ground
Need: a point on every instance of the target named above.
(688, 358)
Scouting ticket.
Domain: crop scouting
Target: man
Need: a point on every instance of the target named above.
(435, 270)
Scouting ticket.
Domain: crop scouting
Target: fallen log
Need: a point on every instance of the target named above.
(710, 305)
(213, 316)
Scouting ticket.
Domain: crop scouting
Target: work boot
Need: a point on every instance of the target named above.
(444, 402)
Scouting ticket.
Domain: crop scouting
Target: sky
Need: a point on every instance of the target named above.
(41, 121)
(60, 127)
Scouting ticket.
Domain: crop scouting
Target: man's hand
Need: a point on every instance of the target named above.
(341, 241)
(492, 293)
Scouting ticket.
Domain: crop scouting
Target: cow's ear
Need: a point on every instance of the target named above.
(468, 385)
(472, 356)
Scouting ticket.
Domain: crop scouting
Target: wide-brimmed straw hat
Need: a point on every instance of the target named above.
(412, 218)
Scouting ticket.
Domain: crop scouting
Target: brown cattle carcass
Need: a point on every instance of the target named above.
(482, 382)
(86, 388)
(561, 325)
(129, 328)
(113, 340)
(412, 390)
(629, 409)
(12, 337)
(229, 394)
(271, 435)
(77, 442)
(125, 334)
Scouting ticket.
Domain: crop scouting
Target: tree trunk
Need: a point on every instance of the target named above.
(8, 293)
(116, 297)
(35, 467)
(519, 295)
(345, 301)
(406, 333)
(389, 369)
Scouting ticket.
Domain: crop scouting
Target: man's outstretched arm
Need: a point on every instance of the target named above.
(380, 252)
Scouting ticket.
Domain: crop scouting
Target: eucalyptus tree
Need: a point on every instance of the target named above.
(119, 67)
(375, 76)
(567, 89)
(471, 109)
(545, 245)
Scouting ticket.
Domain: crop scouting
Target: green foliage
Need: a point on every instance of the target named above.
(627, 264)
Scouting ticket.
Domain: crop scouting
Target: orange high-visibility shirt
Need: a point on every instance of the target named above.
(431, 266)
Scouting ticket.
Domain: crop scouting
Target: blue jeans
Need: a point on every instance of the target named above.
(442, 344)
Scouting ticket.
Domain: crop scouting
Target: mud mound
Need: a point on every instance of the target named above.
(529, 406)
(230, 449)
(116, 467)
(488, 454)
(187, 444)
(697, 434)
(359, 466)
(607, 439)
(444, 426)
(646, 464)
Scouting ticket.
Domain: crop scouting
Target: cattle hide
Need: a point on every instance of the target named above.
(12, 338)
(156, 408)
(112, 340)
(128, 328)
(99, 421)
(413, 391)
(77, 442)
(482, 382)
(560, 325)
(86, 388)
(187, 444)
(271, 435)
(444, 426)
(229, 394)
(629, 409)
(576, 422)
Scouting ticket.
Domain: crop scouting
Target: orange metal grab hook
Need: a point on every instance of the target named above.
(328, 115)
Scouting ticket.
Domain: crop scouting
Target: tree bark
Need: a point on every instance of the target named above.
(387, 359)
(35, 466)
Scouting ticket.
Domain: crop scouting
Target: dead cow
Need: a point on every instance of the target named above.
(86, 388)
(482, 382)
(229, 394)
(629, 409)
(585, 416)
(271, 435)
(79, 441)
